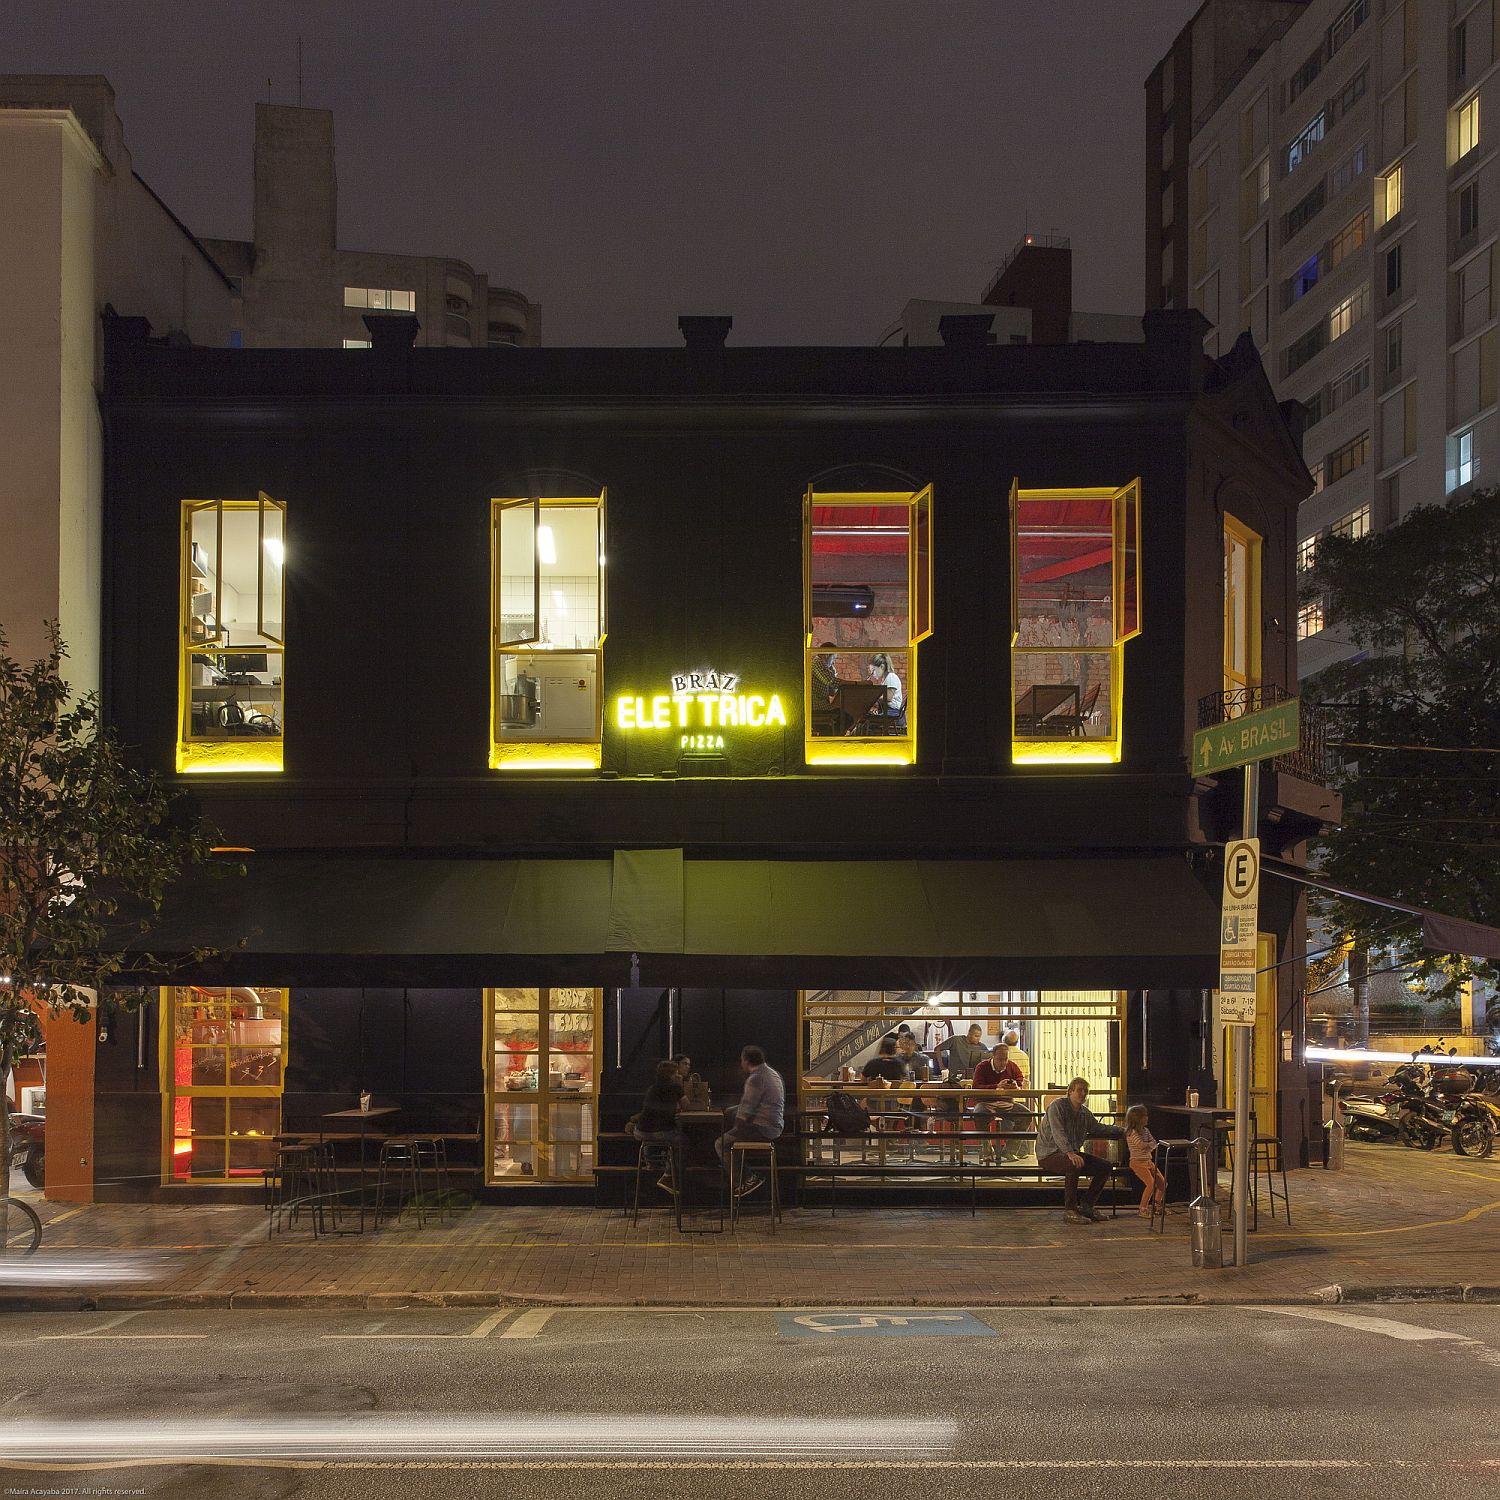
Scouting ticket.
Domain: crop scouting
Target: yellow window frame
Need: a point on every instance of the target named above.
(543, 1096)
(1237, 533)
(582, 754)
(197, 754)
(872, 750)
(1125, 566)
(171, 1090)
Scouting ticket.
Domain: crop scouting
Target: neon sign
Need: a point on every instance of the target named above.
(699, 702)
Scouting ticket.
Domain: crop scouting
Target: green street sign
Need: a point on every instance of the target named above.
(1258, 736)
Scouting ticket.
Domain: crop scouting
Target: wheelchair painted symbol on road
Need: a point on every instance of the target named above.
(909, 1323)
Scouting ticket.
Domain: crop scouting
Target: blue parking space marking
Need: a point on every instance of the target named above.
(899, 1323)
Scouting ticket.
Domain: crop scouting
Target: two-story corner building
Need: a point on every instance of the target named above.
(575, 708)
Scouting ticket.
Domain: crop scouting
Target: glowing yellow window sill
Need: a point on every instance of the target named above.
(221, 757)
(1065, 752)
(544, 755)
(852, 752)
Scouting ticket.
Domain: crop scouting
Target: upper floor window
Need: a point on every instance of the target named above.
(1349, 20)
(1307, 551)
(549, 621)
(867, 602)
(380, 299)
(1242, 550)
(1354, 525)
(233, 635)
(1468, 128)
(1075, 601)
(1349, 238)
(1302, 146)
(1351, 167)
(1389, 194)
(1309, 619)
(1348, 312)
(1349, 456)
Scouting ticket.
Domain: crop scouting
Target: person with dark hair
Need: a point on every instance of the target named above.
(684, 1065)
(962, 1054)
(1060, 1138)
(883, 672)
(760, 1114)
(656, 1125)
(886, 1064)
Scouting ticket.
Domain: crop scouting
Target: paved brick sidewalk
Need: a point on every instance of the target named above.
(1397, 1220)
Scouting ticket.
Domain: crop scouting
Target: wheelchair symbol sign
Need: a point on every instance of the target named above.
(861, 1323)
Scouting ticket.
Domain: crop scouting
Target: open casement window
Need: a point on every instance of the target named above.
(1242, 558)
(548, 606)
(1075, 601)
(232, 635)
(542, 1084)
(223, 1055)
(867, 602)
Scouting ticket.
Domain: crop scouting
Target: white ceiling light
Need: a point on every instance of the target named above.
(545, 545)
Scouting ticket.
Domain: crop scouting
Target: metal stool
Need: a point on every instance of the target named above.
(1183, 1148)
(739, 1153)
(645, 1161)
(432, 1154)
(1266, 1157)
(401, 1169)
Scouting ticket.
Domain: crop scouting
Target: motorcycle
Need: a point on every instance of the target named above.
(1422, 1118)
(1476, 1122)
(1369, 1118)
(28, 1149)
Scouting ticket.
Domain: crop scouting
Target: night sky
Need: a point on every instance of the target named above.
(805, 165)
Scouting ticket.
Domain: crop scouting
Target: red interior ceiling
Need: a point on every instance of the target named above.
(1072, 535)
(888, 526)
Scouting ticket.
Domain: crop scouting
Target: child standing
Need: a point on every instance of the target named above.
(1142, 1146)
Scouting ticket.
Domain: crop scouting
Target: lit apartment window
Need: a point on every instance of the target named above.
(1468, 128)
(357, 343)
(1346, 459)
(1464, 466)
(1350, 19)
(1388, 194)
(223, 1053)
(1304, 278)
(1309, 619)
(1354, 525)
(233, 635)
(1307, 552)
(549, 608)
(1468, 209)
(1312, 133)
(1263, 182)
(380, 299)
(1242, 550)
(867, 602)
(1349, 238)
(1075, 601)
(1348, 313)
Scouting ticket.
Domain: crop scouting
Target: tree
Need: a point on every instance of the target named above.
(1416, 717)
(89, 845)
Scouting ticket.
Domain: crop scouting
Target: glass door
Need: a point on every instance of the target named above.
(542, 1082)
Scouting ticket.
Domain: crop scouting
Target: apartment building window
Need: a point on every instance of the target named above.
(1468, 128)
(1348, 96)
(1350, 168)
(1474, 294)
(1393, 271)
(1242, 553)
(1465, 465)
(1393, 350)
(357, 344)
(1350, 19)
(1348, 385)
(1254, 129)
(1256, 256)
(1307, 552)
(1468, 209)
(233, 635)
(1304, 279)
(1075, 601)
(1311, 134)
(1389, 192)
(1316, 407)
(1348, 313)
(1349, 238)
(1302, 79)
(867, 602)
(1309, 619)
(1346, 459)
(380, 299)
(1460, 51)
(1303, 213)
(1398, 425)
(550, 618)
(1300, 350)
(1352, 526)
(1316, 470)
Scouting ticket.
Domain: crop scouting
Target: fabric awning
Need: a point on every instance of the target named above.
(927, 924)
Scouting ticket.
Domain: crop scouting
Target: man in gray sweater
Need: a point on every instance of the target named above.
(1060, 1138)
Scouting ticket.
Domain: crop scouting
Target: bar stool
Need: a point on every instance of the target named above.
(287, 1186)
(739, 1153)
(646, 1161)
(1266, 1157)
(401, 1170)
(432, 1154)
(1165, 1151)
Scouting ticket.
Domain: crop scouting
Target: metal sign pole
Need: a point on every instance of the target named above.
(1250, 820)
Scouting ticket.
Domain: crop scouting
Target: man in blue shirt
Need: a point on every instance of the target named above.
(761, 1112)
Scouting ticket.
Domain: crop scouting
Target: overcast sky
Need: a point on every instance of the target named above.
(805, 165)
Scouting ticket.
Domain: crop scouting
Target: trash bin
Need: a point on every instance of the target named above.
(1205, 1223)
(1333, 1145)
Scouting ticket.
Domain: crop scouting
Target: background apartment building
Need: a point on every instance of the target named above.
(299, 290)
(1323, 174)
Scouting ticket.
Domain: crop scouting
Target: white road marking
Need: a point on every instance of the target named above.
(529, 1324)
(490, 1323)
(480, 1331)
(113, 1322)
(1364, 1323)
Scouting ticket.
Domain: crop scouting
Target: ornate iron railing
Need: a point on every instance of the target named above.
(1310, 761)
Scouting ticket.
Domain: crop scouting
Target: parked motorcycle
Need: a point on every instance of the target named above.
(1369, 1117)
(1422, 1116)
(1476, 1123)
(28, 1148)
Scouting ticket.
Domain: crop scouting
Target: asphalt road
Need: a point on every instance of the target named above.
(1116, 1402)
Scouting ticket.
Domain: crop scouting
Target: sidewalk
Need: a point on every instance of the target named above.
(1397, 1223)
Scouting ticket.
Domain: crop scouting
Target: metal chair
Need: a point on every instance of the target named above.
(1266, 1157)
(401, 1170)
(739, 1153)
(1182, 1148)
(647, 1161)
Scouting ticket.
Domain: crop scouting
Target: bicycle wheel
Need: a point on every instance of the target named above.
(20, 1229)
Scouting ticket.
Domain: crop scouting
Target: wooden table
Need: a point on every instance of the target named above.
(363, 1116)
(700, 1129)
(1040, 701)
(1205, 1122)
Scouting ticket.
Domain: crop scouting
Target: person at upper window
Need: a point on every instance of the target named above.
(885, 1065)
(883, 672)
(825, 671)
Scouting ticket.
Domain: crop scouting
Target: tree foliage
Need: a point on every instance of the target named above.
(1413, 714)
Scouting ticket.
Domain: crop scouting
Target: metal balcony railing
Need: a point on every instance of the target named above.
(1311, 761)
